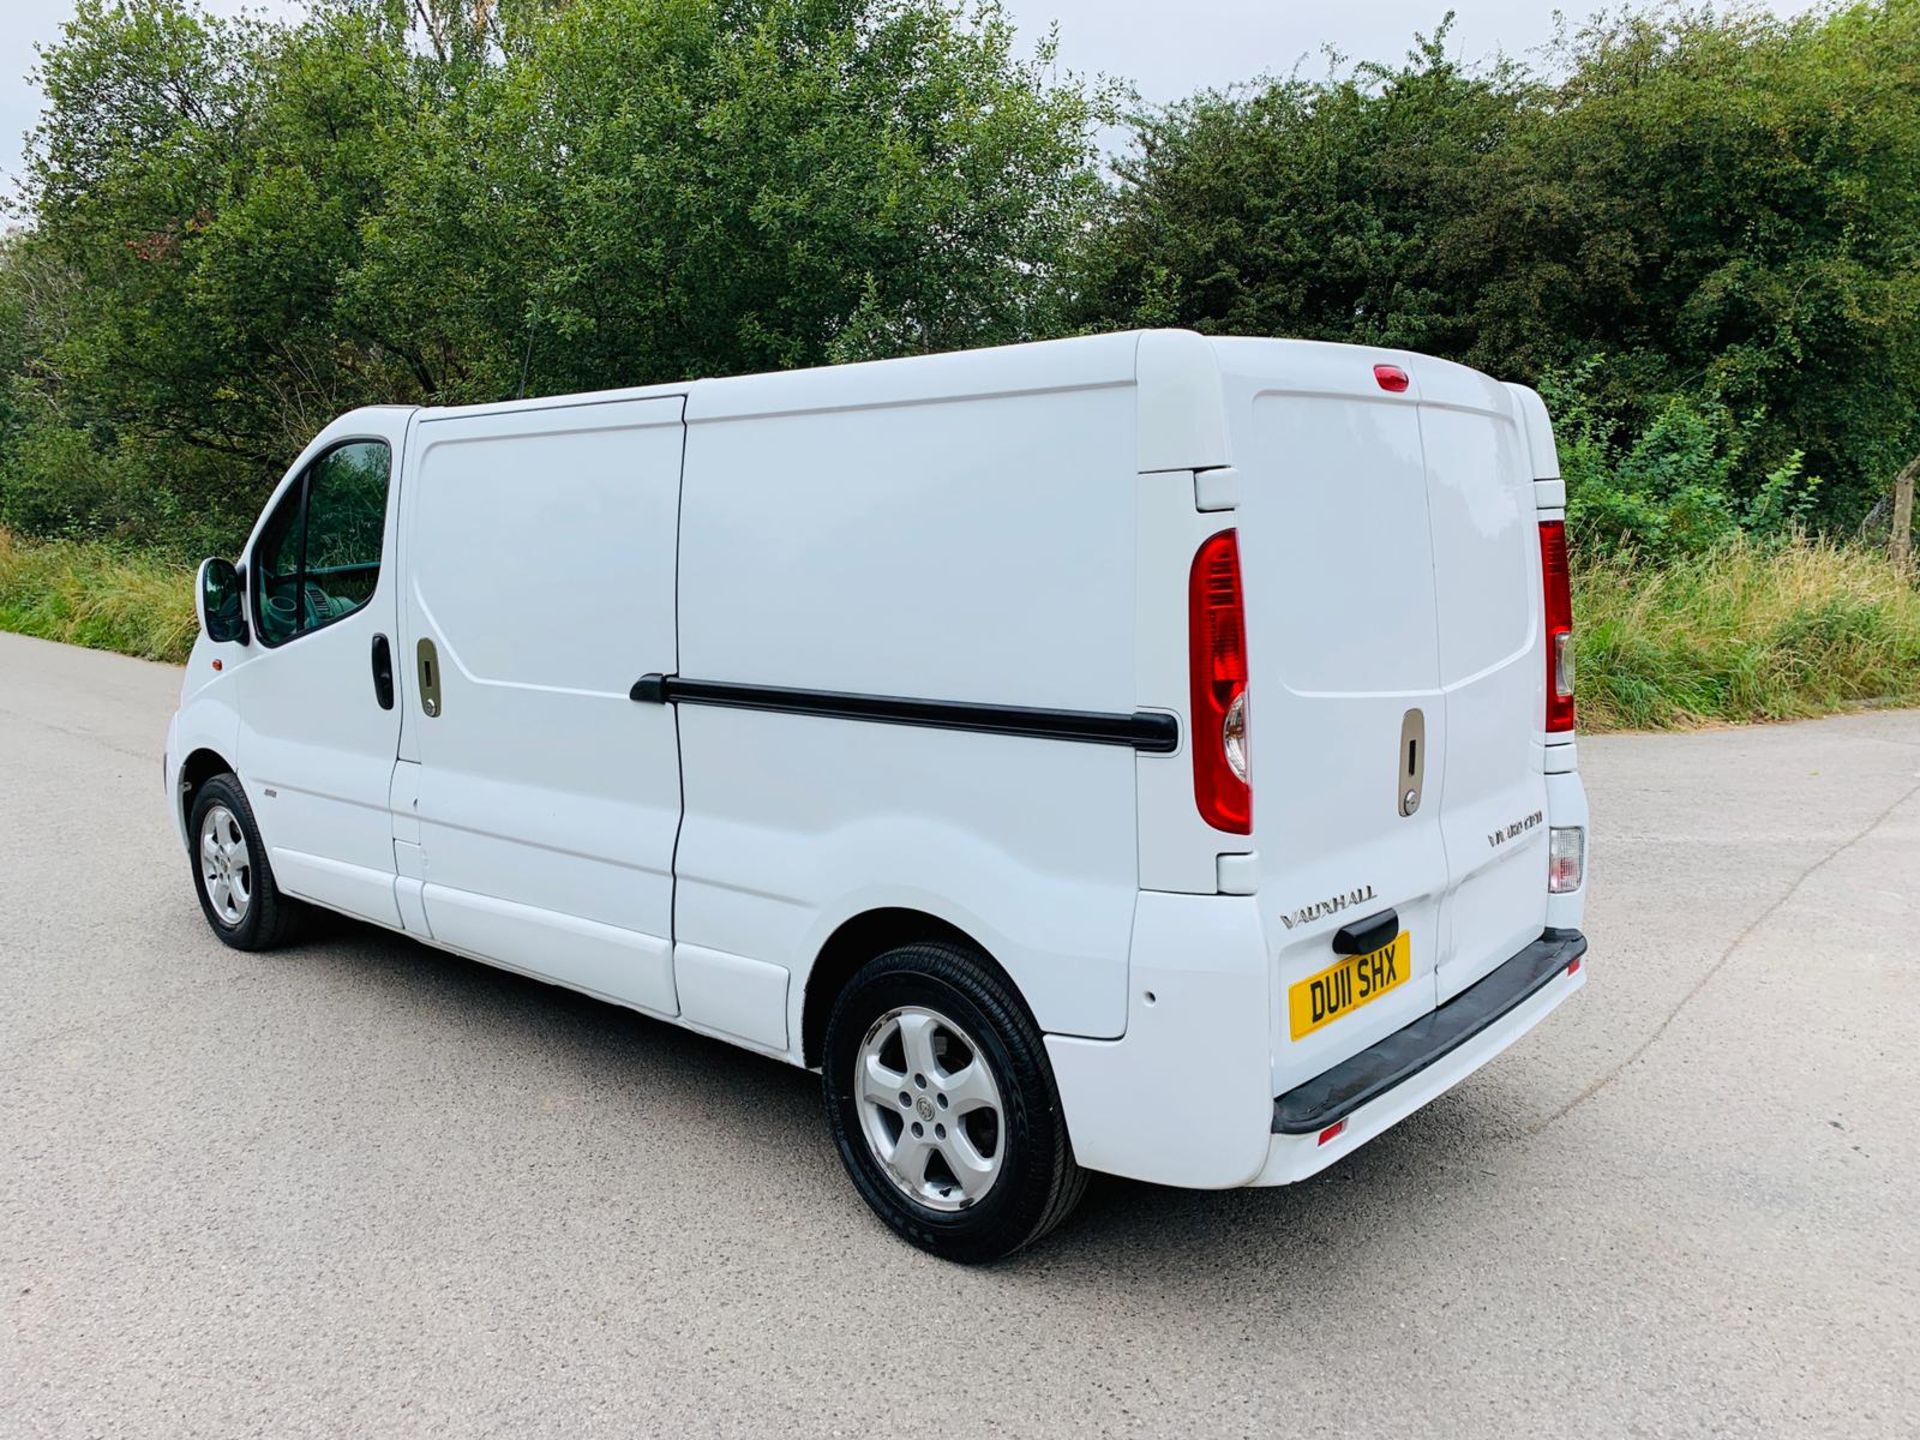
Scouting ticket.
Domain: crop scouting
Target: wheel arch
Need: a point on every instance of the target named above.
(198, 768)
(859, 939)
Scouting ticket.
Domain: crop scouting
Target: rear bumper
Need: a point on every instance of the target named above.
(1185, 1095)
(1380, 1086)
(1335, 1094)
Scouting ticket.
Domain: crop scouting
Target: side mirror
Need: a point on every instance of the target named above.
(216, 596)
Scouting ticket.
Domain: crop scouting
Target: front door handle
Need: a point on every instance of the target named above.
(383, 672)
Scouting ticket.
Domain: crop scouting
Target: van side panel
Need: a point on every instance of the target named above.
(976, 550)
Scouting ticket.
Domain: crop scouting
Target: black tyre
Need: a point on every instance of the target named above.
(231, 873)
(943, 1105)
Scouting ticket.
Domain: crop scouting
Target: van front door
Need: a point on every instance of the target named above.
(540, 553)
(317, 731)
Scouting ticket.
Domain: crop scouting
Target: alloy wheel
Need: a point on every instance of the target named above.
(930, 1108)
(226, 865)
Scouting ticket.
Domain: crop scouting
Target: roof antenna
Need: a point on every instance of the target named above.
(526, 363)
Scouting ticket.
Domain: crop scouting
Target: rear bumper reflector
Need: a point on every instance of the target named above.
(1330, 1097)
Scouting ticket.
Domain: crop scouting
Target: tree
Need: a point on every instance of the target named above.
(1719, 208)
(1347, 209)
(1736, 214)
(452, 200)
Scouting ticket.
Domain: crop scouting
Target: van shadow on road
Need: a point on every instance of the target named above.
(709, 1099)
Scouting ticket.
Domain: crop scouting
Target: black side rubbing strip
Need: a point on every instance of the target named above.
(1337, 1093)
(1143, 730)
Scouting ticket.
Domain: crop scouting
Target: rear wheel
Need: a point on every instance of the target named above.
(231, 873)
(943, 1106)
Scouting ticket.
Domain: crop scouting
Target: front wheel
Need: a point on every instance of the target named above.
(231, 873)
(943, 1106)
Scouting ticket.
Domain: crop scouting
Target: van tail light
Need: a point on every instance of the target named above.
(1217, 654)
(1557, 586)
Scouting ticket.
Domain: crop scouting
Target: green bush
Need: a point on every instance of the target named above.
(1681, 485)
(240, 227)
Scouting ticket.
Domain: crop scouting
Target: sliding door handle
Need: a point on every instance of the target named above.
(429, 661)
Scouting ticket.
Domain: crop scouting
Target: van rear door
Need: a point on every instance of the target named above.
(1488, 608)
(1390, 562)
(1348, 723)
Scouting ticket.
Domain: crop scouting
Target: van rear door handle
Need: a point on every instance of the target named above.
(1363, 937)
(383, 672)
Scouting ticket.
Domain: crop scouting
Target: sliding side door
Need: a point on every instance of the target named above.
(540, 557)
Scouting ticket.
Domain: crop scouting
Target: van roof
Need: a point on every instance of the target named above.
(1181, 411)
(1176, 362)
(1003, 369)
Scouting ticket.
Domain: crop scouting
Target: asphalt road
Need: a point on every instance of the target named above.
(363, 1188)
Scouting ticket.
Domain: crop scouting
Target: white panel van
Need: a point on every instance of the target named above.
(1142, 753)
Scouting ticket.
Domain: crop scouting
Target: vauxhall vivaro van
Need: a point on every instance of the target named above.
(1142, 753)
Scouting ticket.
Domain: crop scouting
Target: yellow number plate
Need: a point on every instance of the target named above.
(1347, 985)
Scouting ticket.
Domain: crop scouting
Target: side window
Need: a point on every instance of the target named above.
(318, 559)
(346, 516)
(276, 568)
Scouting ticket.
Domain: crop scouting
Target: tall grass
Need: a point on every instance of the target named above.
(1745, 632)
(1748, 632)
(97, 595)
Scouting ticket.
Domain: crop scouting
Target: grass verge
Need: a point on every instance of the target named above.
(97, 595)
(1746, 633)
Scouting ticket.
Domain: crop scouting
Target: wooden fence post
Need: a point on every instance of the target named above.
(1902, 548)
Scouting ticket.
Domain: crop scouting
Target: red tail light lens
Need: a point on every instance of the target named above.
(1558, 589)
(1217, 655)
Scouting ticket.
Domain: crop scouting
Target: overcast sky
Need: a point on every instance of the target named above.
(1167, 49)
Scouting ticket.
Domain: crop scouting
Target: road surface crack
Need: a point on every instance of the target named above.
(1719, 964)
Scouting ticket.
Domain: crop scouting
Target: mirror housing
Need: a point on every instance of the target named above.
(216, 598)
